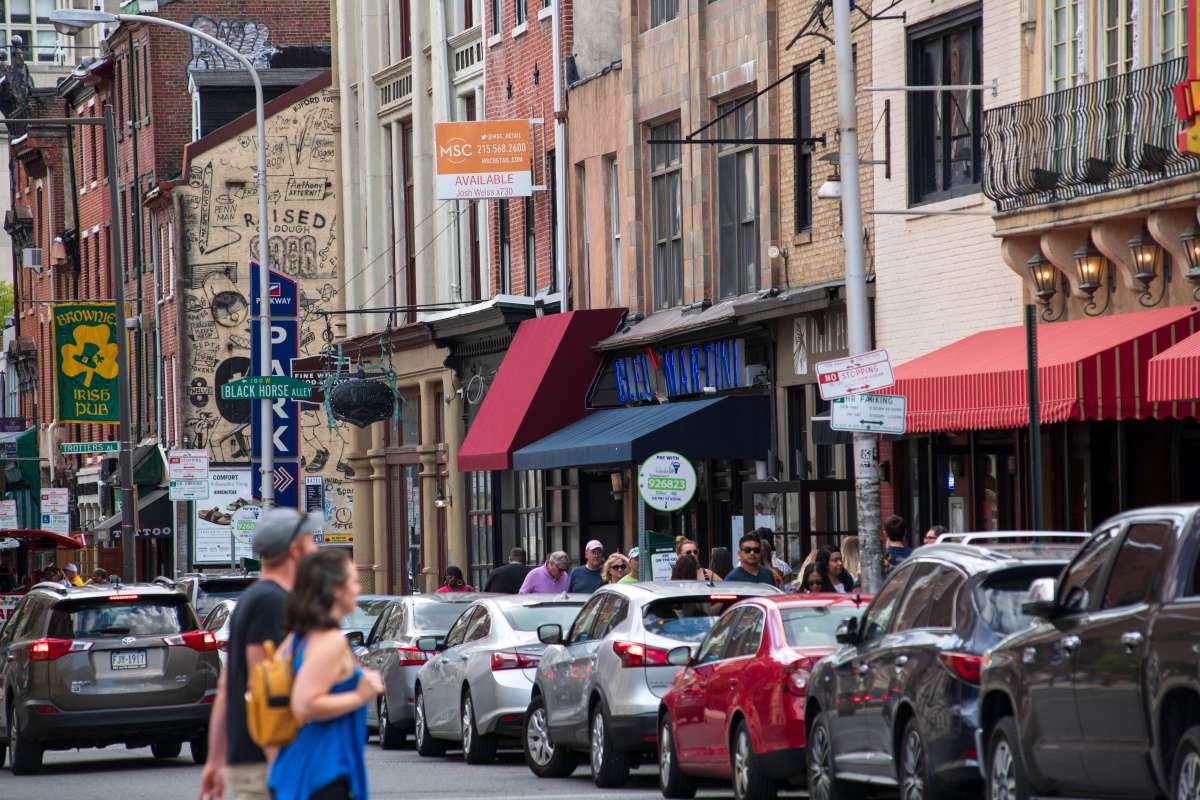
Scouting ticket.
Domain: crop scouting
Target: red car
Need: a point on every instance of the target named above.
(737, 709)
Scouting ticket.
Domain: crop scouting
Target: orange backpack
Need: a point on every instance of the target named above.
(269, 700)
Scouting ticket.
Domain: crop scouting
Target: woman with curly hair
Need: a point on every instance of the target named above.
(616, 567)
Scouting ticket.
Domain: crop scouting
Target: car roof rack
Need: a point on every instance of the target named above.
(980, 539)
(57, 588)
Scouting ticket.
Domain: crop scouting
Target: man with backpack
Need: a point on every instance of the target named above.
(282, 538)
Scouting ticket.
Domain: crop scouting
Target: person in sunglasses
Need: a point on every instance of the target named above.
(750, 568)
(454, 581)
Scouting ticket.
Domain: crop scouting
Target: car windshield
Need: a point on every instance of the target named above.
(97, 619)
(210, 593)
(685, 618)
(363, 617)
(528, 618)
(437, 616)
(814, 627)
(999, 598)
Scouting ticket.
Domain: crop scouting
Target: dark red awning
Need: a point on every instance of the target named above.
(1175, 376)
(540, 387)
(40, 538)
(1095, 368)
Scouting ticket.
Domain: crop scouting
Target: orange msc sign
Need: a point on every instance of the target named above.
(483, 160)
(1187, 94)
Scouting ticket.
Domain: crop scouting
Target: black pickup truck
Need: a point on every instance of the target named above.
(1101, 698)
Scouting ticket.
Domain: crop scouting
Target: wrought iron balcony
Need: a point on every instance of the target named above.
(1094, 138)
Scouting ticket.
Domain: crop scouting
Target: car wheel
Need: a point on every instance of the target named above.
(1006, 776)
(610, 767)
(1185, 767)
(427, 746)
(545, 759)
(25, 757)
(917, 780)
(823, 782)
(166, 749)
(390, 737)
(477, 748)
(749, 782)
(199, 749)
(671, 780)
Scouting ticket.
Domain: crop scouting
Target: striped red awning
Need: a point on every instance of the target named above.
(1175, 374)
(1095, 368)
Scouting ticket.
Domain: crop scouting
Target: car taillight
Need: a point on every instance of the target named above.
(410, 657)
(53, 649)
(964, 665)
(200, 641)
(633, 654)
(507, 659)
(795, 678)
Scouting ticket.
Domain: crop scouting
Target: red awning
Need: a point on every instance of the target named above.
(1175, 377)
(1088, 368)
(42, 539)
(540, 387)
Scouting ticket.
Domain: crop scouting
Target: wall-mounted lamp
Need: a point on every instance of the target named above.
(1148, 256)
(617, 480)
(442, 500)
(1047, 281)
(1094, 270)
(1190, 239)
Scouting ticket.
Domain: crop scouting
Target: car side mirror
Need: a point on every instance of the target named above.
(847, 631)
(680, 656)
(550, 634)
(1042, 599)
(430, 644)
(355, 638)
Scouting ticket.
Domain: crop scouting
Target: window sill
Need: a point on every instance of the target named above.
(520, 30)
(974, 199)
(495, 40)
(803, 237)
(546, 13)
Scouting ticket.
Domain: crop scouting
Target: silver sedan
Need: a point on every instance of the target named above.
(475, 689)
(217, 621)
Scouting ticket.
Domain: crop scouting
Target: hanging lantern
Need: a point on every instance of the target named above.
(361, 401)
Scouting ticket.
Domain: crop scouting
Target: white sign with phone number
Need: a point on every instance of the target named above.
(667, 481)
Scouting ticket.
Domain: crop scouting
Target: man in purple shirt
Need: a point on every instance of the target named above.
(550, 578)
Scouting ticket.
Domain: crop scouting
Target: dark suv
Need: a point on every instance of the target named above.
(897, 703)
(102, 665)
(1102, 697)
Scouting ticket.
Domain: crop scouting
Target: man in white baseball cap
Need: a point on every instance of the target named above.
(589, 576)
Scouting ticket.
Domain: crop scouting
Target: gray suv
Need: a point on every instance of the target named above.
(102, 665)
(599, 684)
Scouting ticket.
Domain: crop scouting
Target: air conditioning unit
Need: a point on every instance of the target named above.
(33, 258)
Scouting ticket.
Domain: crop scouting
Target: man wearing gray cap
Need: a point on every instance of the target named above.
(550, 578)
(282, 538)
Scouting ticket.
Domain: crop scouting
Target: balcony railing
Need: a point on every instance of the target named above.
(1086, 140)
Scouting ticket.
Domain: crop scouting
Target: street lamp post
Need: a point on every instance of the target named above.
(71, 21)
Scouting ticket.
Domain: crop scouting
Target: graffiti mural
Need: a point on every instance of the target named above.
(248, 38)
(219, 232)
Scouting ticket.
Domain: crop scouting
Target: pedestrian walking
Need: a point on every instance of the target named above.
(769, 559)
(454, 581)
(616, 568)
(897, 534)
(549, 578)
(686, 547)
(720, 563)
(589, 576)
(832, 568)
(508, 578)
(851, 556)
(933, 533)
(633, 576)
(750, 568)
(71, 575)
(282, 538)
(330, 692)
(99, 577)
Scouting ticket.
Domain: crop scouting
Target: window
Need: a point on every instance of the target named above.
(458, 633)
(666, 195)
(480, 627)
(505, 247)
(404, 27)
(1066, 42)
(1118, 23)
(747, 634)
(495, 17)
(713, 646)
(614, 213)
(530, 250)
(802, 110)
(468, 11)
(581, 630)
(663, 11)
(553, 211)
(737, 201)
(914, 608)
(1172, 29)
(1082, 578)
(879, 615)
(146, 79)
(929, 600)
(944, 158)
(522, 9)
(610, 615)
(1141, 564)
(410, 250)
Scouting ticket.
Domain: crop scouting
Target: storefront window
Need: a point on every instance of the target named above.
(529, 513)
(479, 526)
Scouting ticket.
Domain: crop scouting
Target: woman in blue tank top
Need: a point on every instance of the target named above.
(329, 692)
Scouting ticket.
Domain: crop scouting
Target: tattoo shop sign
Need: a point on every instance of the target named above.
(85, 361)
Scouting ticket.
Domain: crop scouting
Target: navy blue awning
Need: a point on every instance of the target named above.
(737, 426)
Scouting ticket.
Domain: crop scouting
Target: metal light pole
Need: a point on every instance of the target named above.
(858, 312)
(73, 20)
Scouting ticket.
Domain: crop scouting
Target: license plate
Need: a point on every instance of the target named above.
(129, 659)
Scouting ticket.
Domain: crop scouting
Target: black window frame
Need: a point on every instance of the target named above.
(741, 277)
(521, 7)
(920, 106)
(666, 170)
(504, 244)
(495, 9)
(802, 152)
(663, 11)
(529, 209)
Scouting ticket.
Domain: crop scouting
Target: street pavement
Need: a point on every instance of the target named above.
(134, 774)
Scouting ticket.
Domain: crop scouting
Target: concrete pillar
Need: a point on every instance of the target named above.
(431, 542)
(429, 287)
(363, 505)
(456, 482)
(379, 510)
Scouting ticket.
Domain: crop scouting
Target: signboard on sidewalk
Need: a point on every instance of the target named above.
(870, 413)
(865, 372)
(484, 159)
(187, 474)
(85, 361)
(667, 481)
